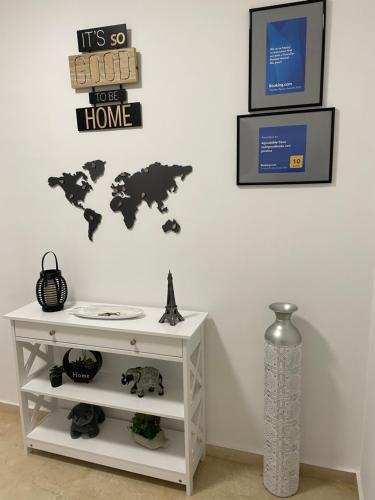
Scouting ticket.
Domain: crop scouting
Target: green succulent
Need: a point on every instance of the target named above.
(84, 363)
(55, 371)
(147, 426)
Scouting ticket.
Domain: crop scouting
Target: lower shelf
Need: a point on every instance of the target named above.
(113, 447)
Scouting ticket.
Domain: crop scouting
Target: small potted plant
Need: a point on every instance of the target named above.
(55, 375)
(147, 432)
(82, 369)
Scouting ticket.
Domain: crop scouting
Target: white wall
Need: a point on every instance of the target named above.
(367, 479)
(239, 249)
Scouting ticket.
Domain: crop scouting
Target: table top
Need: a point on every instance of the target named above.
(147, 324)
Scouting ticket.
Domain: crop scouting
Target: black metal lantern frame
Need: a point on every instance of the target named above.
(51, 288)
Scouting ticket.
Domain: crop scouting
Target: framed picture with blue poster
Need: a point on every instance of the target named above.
(286, 52)
(286, 147)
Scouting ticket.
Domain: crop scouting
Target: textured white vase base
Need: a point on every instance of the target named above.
(281, 422)
(280, 495)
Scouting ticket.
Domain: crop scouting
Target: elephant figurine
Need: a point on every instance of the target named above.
(145, 379)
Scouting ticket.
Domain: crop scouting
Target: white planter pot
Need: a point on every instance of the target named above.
(159, 441)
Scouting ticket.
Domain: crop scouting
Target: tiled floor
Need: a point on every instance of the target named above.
(48, 477)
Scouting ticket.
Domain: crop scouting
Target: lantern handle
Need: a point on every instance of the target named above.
(49, 251)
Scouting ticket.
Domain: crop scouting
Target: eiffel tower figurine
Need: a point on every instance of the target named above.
(171, 315)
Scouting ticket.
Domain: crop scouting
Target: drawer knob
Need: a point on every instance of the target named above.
(133, 342)
(52, 332)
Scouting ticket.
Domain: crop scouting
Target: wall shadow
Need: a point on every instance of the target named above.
(320, 410)
(226, 396)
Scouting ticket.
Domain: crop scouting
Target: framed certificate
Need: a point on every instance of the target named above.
(286, 51)
(290, 147)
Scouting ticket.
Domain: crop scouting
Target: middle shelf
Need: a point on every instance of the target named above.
(107, 390)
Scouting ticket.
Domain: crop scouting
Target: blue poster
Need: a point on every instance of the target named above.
(282, 149)
(285, 56)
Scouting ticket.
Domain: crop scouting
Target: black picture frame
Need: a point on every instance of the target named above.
(320, 125)
(313, 96)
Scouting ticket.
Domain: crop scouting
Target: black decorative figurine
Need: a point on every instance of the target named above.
(171, 315)
(85, 419)
(51, 288)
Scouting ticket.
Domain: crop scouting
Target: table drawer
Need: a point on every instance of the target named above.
(127, 341)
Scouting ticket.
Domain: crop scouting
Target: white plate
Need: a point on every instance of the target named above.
(107, 312)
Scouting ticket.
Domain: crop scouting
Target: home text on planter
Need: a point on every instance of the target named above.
(81, 375)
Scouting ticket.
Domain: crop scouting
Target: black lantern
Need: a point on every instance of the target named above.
(51, 288)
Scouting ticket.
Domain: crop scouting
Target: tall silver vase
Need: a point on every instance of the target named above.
(282, 400)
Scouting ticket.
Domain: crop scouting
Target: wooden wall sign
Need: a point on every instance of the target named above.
(112, 67)
(107, 96)
(109, 117)
(107, 37)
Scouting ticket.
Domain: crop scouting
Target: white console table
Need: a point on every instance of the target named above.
(36, 334)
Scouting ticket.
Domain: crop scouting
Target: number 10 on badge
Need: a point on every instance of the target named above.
(296, 161)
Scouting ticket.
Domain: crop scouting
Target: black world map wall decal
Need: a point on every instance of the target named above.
(76, 187)
(151, 185)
